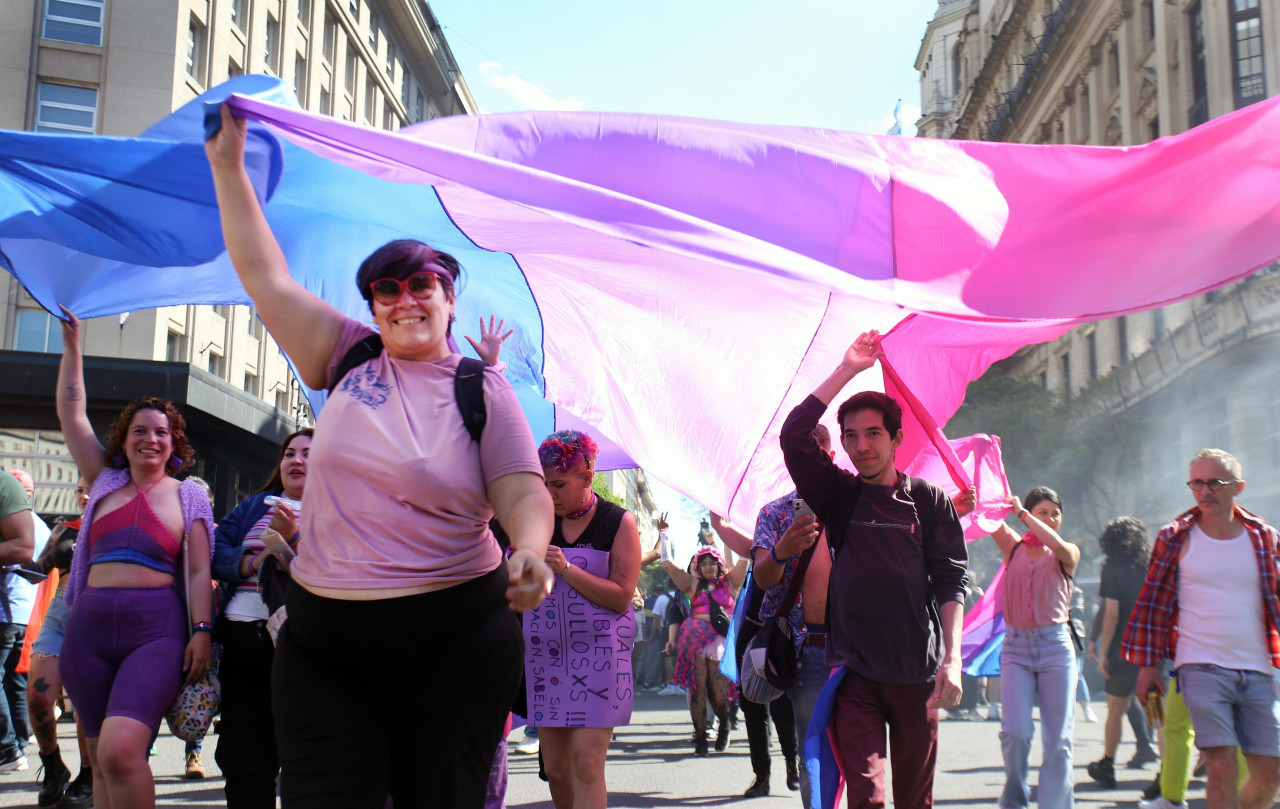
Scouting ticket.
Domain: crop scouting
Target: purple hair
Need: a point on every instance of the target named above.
(568, 449)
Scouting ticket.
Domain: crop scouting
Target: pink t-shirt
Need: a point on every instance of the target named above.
(395, 493)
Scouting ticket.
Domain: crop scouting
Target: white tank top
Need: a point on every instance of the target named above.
(1220, 618)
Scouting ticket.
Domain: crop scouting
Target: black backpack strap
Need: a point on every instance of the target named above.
(358, 354)
(926, 508)
(468, 389)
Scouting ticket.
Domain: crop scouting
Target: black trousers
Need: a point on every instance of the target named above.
(246, 751)
(404, 697)
(757, 717)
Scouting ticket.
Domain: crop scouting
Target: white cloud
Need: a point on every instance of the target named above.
(526, 93)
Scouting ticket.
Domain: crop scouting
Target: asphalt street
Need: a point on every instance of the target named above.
(651, 764)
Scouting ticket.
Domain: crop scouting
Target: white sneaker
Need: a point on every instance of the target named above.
(671, 690)
(529, 747)
(1160, 803)
(993, 713)
(1089, 715)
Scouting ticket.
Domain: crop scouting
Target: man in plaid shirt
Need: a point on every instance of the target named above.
(1210, 604)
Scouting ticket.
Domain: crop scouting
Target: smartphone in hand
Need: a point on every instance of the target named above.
(800, 508)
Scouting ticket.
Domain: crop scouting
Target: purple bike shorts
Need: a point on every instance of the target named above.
(122, 655)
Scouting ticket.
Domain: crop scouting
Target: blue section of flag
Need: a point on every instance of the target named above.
(86, 221)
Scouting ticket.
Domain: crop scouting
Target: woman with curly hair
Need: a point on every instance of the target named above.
(1038, 661)
(134, 633)
(1127, 550)
(574, 757)
(711, 587)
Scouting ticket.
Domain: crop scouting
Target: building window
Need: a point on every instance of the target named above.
(957, 71)
(253, 324)
(370, 101)
(217, 364)
(330, 44)
(1113, 68)
(353, 58)
(1086, 112)
(326, 101)
(1122, 340)
(65, 109)
(1198, 113)
(1148, 21)
(304, 13)
(391, 59)
(1246, 52)
(73, 21)
(271, 45)
(1157, 325)
(223, 311)
(37, 330)
(1091, 341)
(418, 107)
(252, 385)
(175, 347)
(354, 7)
(404, 84)
(195, 50)
(300, 78)
(233, 69)
(374, 24)
(282, 400)
(1064, 364)
(240, 14)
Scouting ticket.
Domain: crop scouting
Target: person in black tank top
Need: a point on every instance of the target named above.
(574, 757)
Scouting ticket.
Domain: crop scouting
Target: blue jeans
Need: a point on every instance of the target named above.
(810, 678)
(1082, 689)
(13, 699)
(1038, 665)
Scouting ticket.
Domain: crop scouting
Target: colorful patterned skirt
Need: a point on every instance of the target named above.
(698, 638)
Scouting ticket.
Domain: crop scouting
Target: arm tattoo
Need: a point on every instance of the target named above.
(73, 393)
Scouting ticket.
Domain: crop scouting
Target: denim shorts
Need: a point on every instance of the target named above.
(49, 641)
(1231, 707)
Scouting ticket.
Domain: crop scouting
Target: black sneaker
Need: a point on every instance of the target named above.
(80, 794)
(1104, 772)
(54, 782)
(758, 789)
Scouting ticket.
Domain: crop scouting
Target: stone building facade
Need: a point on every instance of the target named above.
(1199, 373)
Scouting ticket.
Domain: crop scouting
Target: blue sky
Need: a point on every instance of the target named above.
(835, 64)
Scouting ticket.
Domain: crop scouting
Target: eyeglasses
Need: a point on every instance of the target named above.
(421, 286)
(1212, 485)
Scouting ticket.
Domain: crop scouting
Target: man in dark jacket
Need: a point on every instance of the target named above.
(897, 588)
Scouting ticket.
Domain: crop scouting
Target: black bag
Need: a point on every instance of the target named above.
(720, 617)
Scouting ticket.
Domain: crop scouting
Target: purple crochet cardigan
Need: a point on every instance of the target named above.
(195, 506)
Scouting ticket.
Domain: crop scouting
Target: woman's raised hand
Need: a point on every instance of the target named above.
(226, 148)
(70, 330)
(491, 340)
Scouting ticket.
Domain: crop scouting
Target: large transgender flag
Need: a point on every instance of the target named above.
(677, 285)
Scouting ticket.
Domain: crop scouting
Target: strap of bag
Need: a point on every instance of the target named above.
(793, 591)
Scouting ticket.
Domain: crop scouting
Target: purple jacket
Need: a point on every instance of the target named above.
(195, 506)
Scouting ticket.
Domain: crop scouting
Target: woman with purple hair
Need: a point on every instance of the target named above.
(712, 587)
(574, 757)
(402, 654)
